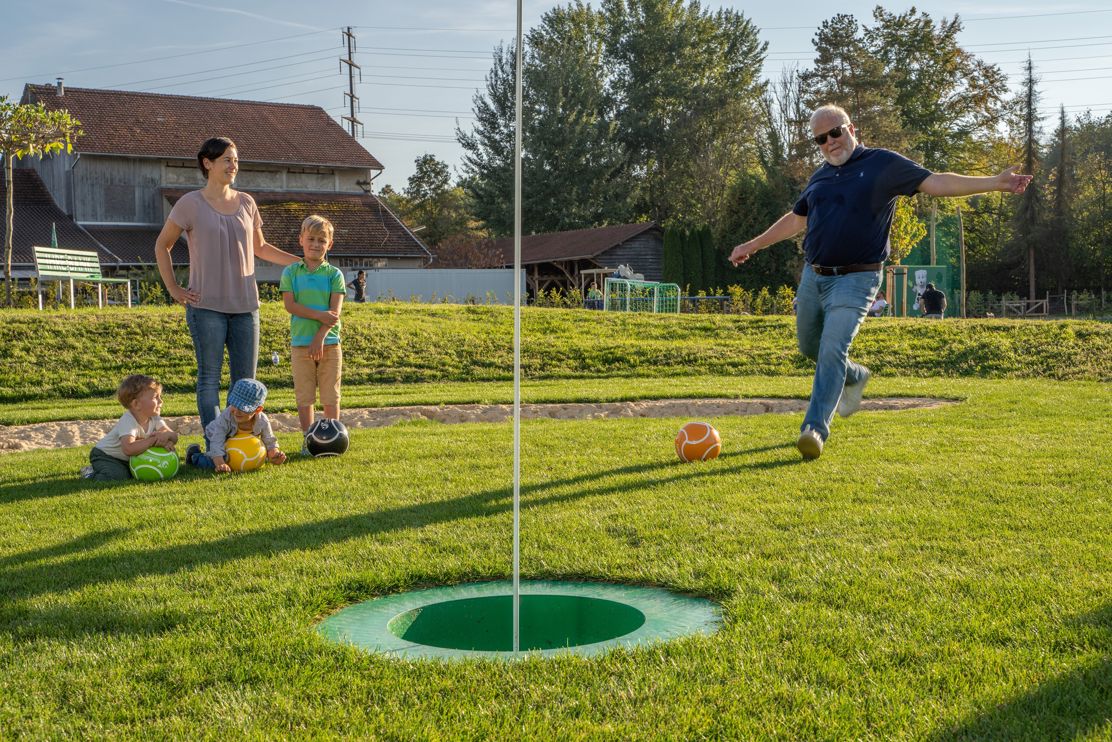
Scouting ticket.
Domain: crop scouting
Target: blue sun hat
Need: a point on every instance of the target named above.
(247, 395)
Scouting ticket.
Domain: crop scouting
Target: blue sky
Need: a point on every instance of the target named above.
(422, 61)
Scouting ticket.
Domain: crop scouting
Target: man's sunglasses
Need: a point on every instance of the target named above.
(834, 133)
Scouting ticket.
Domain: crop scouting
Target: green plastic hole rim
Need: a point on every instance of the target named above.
(667, 616)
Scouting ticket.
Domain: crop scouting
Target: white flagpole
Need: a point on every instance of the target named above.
(517, 339)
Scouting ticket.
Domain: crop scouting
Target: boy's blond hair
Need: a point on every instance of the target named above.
(134, 385)
(317, 224)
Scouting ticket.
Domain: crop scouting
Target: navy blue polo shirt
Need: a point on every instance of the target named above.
(849, 208)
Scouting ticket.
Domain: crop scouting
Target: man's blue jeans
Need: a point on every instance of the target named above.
(212, 332)
(828, 315)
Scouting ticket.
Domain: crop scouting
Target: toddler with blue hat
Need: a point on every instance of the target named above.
(244, 414)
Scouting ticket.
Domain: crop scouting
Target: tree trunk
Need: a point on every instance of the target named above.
(9, 214)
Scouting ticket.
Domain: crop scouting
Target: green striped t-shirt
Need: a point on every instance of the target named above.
(312, 289)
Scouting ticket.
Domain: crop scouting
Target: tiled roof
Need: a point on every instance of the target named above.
(120, 122)
(135, 245)
(364, 227)
(35, 212)
(570, 245)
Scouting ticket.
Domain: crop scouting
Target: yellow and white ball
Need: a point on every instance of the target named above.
(244, 452)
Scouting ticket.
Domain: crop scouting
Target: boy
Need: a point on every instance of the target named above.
(313, 292)
(244, 414)
(139, 428)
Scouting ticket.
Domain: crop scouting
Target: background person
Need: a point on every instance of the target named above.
(878, 306)
(359, 286)
(594, 297)
(847, 209)
(225, 234)
(933, 302)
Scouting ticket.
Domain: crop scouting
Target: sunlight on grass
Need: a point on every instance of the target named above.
(936, 574)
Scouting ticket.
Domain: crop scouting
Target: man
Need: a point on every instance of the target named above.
(847, 210)
(933, 302)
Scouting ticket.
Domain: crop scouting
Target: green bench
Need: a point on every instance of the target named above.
(58, 264)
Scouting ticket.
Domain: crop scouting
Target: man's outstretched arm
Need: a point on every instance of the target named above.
(786, 227)
(952, 184)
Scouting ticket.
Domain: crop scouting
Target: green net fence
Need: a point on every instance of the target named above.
(622, 295)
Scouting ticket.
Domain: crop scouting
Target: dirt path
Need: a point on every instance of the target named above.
(88, 432)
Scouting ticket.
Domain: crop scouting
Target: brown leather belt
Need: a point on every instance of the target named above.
(841, 270)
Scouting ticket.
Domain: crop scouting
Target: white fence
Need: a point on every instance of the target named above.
(448, 285)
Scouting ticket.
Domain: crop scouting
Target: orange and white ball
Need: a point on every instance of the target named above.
(244, 452)
(698, 441)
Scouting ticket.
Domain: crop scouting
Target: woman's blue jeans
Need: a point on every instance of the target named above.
(828, 315)
(212, 332)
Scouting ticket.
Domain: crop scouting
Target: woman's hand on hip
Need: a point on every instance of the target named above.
(184, 296)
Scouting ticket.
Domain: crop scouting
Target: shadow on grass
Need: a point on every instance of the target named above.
(1072, 706)
(69, 621)
(37, 579)
(45, 487)
(88, 542)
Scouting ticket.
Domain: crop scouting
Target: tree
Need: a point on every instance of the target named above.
(574, 169)
(907, 230)
(711, 259)
(643, 109)
(1092, 212)
(467, 251)
(949, 101)
(488, 160)
(434, 205)
(29, 130)
(431, 205)
(1029, 217)
(673, 256)
(1057, 248)
(848, 73)
(692, 261)
(686, 87)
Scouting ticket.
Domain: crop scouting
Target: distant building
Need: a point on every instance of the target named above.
(138, 155)
(576, 258)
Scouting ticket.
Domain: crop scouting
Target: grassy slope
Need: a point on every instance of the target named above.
(937, 574)
(65, 355)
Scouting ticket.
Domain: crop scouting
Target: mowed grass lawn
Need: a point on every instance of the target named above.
(937, 574)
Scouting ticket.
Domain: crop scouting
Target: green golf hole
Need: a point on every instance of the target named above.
(547, 622)
(475, 620)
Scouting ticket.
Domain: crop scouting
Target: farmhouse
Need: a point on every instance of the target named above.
(138, 156)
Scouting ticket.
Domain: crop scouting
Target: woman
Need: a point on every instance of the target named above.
(225, 235)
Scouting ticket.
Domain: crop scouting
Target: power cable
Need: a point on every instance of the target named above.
(279, 84)
(228, 67)
(146, 60)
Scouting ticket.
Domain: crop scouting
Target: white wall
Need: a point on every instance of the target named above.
(456, 286)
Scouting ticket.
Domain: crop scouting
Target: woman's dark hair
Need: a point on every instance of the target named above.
(212, 149)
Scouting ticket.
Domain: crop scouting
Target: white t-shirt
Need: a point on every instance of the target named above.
(127, 425)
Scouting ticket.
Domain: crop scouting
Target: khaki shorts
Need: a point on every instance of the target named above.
(310, 375)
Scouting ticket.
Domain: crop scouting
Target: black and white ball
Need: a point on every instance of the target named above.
(326, 438)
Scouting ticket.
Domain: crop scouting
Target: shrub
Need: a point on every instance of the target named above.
(741, 300)
(762, 302)
(784, 301)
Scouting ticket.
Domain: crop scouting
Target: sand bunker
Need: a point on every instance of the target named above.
(88, 432)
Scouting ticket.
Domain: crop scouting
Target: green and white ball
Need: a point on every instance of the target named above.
(154, 464)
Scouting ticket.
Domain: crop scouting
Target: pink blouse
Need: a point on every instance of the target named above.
(221, 252)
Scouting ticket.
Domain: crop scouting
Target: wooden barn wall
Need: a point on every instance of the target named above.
(644, 253)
